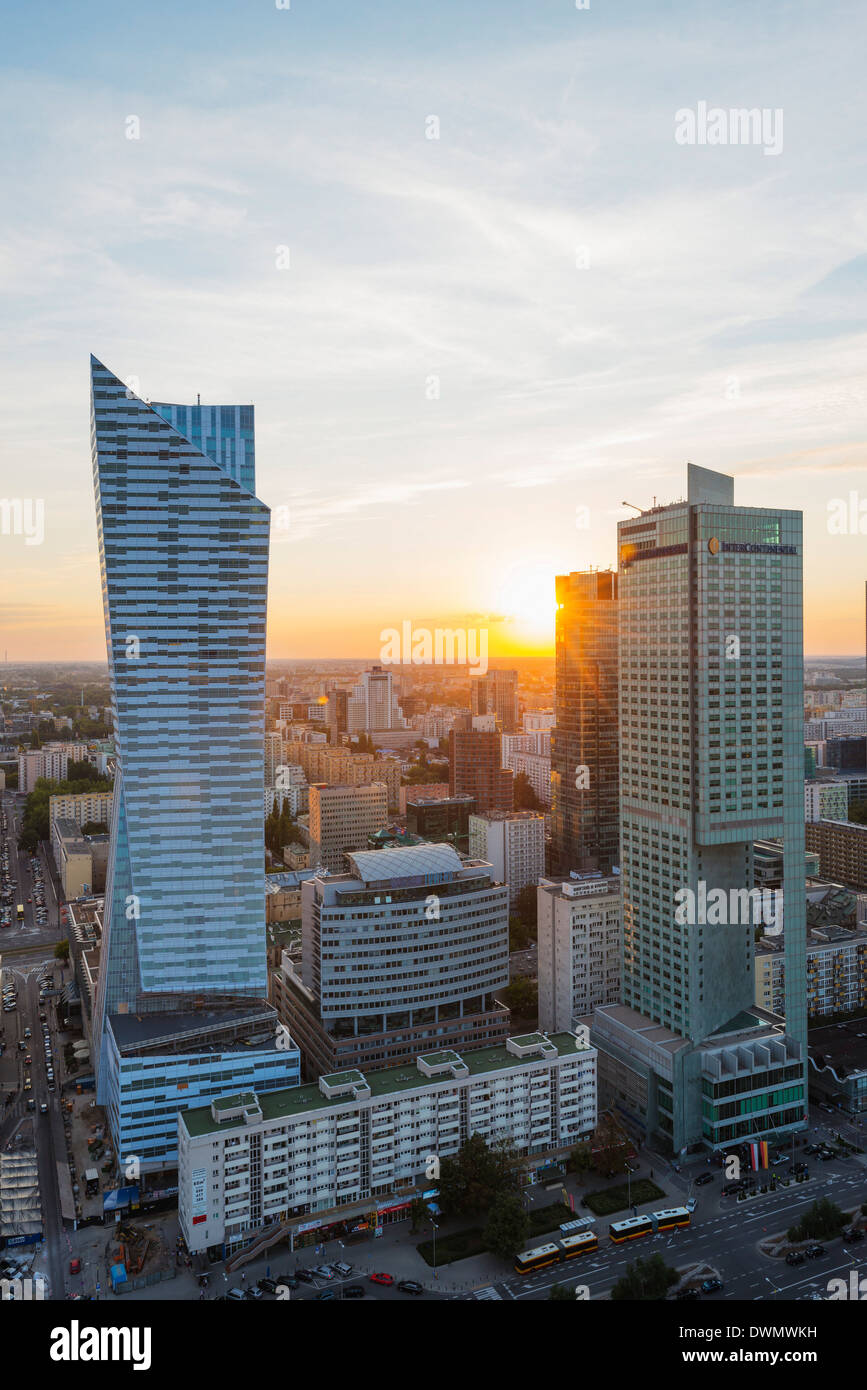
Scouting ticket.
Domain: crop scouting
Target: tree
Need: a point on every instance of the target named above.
(610, 1147)
(418, 1213)
(823, 1221)
(94, 827)
(61, 950)
(522, 997)
(525, 799)
(645, 1280)
(526, 906)
(858, 812)
(507, 1226)
(581, 1159)
(471, 1180)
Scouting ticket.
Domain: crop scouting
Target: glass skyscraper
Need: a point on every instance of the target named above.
(711, 759)
(184, 563)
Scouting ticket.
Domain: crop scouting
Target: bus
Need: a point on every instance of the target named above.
(20, 912)
(630, 1229)
(556, 1252)
(668, 1219)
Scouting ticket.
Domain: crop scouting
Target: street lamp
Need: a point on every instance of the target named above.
(435, 1228)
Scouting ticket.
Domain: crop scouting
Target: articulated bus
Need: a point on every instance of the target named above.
(557, 1252)
(637, 1226)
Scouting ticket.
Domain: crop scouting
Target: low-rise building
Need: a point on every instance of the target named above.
(247, 1161)
(81, 860)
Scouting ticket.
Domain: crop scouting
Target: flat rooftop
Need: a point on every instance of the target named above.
(840, 1045)
(130, 1029)
(297, 1100)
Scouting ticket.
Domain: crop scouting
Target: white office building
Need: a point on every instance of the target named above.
(826, 800)
(513, 843)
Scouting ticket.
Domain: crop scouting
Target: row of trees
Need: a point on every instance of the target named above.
(280, 829)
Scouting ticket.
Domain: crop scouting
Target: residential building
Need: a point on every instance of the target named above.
(836, 972)
(81, 860)
(825, 800)
(579, 946)
(184, 558)
(84, 808)
(354, 1141)
(536, 767)
(341, 819)
(585, 739)
(513, 843)
(403, 952)
(842, 849)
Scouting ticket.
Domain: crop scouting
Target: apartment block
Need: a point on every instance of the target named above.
(248, 1161)
(342, 818)
(842, 849)
(579, 935)
(513, 842)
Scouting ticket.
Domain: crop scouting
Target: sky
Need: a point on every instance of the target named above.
(478, 291)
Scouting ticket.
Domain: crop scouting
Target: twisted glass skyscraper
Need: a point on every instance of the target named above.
(184, 560)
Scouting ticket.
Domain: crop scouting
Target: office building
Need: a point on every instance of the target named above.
(585, 738)
(342, 819)
(536, 767)
(184, 560)
(404, 952)
(355, 1144)
(475, 769)
(496, 693)
(513, 843)
(847, 754)
(711, 759)
(579, 947)
(439, 818)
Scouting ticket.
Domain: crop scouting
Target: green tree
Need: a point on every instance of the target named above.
(823, 1221)
(61, 950)
(645, 1280)
(581, 1159)
(525, 799)
(526, 907)
(858, 812)
(522, 997)
(418, 1213)
(507, 1226)
(477, 1173)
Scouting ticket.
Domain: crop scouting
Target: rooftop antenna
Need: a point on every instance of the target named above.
(198, 398)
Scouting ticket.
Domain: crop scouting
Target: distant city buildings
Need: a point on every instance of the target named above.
(826, 800)
(842, 850)
(51, 760)
(496, 693)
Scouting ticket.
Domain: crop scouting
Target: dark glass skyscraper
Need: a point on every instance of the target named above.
(585, 740)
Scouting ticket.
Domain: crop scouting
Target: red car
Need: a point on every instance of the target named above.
(75, 1266)
(381, 1279)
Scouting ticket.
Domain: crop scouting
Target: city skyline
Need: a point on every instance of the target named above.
(462, 281)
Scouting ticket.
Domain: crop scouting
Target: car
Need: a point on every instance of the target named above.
(703, 1178)
(711, 1285)
(304, 1275)
(268, 1285)
(811, 1149)
(27, 1033)
(687, 1293)
(42, 1018)
(31, 1104)
(825, 1155)
(854, 1233)
(795, 1257)
(28, 1060)
(27, 1083)
(344, 1270)
(253, 1292)
(324, 1271)
(381, 1278)
(814, 1252)
(326, 1293)
(410, 1286)
(75, 1266)
(691, 1203)
(235, 1295)
(288, 1281)
(731, 1188)
(353, 1291)
(43, 1109)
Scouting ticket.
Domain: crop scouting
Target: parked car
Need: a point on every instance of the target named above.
(287, 1280)
(703, 1179)
(380, 1278)
(353, 1291)
(304, 1275)
(344, 1270)
(268, 1285)
(813, 1252)
(410, 1286)
(326, 1293)
(253, 1292)
(324, 1271)
(235, 1295)
(711, 1285)
(731, 1188)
